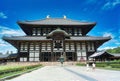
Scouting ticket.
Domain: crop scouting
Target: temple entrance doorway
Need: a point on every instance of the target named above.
(46, 56)
(56, 56)
(71, 56)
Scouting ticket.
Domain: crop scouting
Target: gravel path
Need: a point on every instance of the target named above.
(68, 73)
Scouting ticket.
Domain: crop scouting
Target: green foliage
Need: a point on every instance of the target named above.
(115, 65)
(80, 64)
(114, 50)
(101, 65)
(15, 69)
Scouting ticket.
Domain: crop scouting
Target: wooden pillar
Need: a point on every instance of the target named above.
(81, 48)
(63, 46)
(52, 57)
(41, 31)
(64, 52)
(18, 56)
(75, 54)
(28, 51)
(95, 47)
(86, 46)
(40, 56)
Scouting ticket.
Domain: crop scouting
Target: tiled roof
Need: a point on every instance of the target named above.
(116, 55)
(96, 54)
(8, 55)
(4, 56)
(56, 21)
(37, 38)
(25, 38)
(89, 38)
(13, 55)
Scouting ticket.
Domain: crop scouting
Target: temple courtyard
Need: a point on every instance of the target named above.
(68, 73)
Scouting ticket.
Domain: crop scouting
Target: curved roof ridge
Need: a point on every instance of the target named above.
(57, 18)
(57, 21)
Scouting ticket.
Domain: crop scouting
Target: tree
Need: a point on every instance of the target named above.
(114, 50)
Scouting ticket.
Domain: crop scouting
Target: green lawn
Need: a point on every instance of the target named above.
(15, 69)
(102, 66)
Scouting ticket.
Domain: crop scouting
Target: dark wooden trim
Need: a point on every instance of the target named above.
(18, 57)
(40, 56)
(63, 45)
(28, 51)
(86, 46)
(52, 58)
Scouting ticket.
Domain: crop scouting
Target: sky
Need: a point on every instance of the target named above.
(105, 12)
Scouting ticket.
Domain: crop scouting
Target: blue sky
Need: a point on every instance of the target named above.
(105, 12)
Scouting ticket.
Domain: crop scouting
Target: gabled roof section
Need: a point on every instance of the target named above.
(56, 21)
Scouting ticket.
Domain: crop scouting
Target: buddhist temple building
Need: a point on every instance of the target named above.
(50, 38)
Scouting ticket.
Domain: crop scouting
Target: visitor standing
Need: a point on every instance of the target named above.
(87, 65)
(93, 66)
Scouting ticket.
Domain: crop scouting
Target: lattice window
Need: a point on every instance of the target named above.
(31, 59)
(83, 46)
(24, 47)
(23, 59)
(78, 46)
(67, 46)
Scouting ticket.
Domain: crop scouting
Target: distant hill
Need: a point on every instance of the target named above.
(114, 50)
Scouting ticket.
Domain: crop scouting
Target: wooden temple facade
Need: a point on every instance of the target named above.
(50, 38)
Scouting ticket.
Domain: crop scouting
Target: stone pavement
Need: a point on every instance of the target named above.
(68, 73)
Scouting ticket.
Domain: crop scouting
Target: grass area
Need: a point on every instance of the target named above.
(101, 66)
(109, 68)
(14, 74)
(16, 69)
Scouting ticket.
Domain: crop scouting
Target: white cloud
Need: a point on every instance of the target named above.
(105, 48)
(4, 46)
(7, 48)
(9, 31)
(110, 4)
(106, 34)
(2, 15)
(114, 42)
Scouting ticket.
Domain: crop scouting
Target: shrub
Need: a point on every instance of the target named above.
(101, 65)
(15, 69)
(80, 64)
(115, 65)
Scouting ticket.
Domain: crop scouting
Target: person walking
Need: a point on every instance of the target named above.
(93, 66)
(87, 65)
